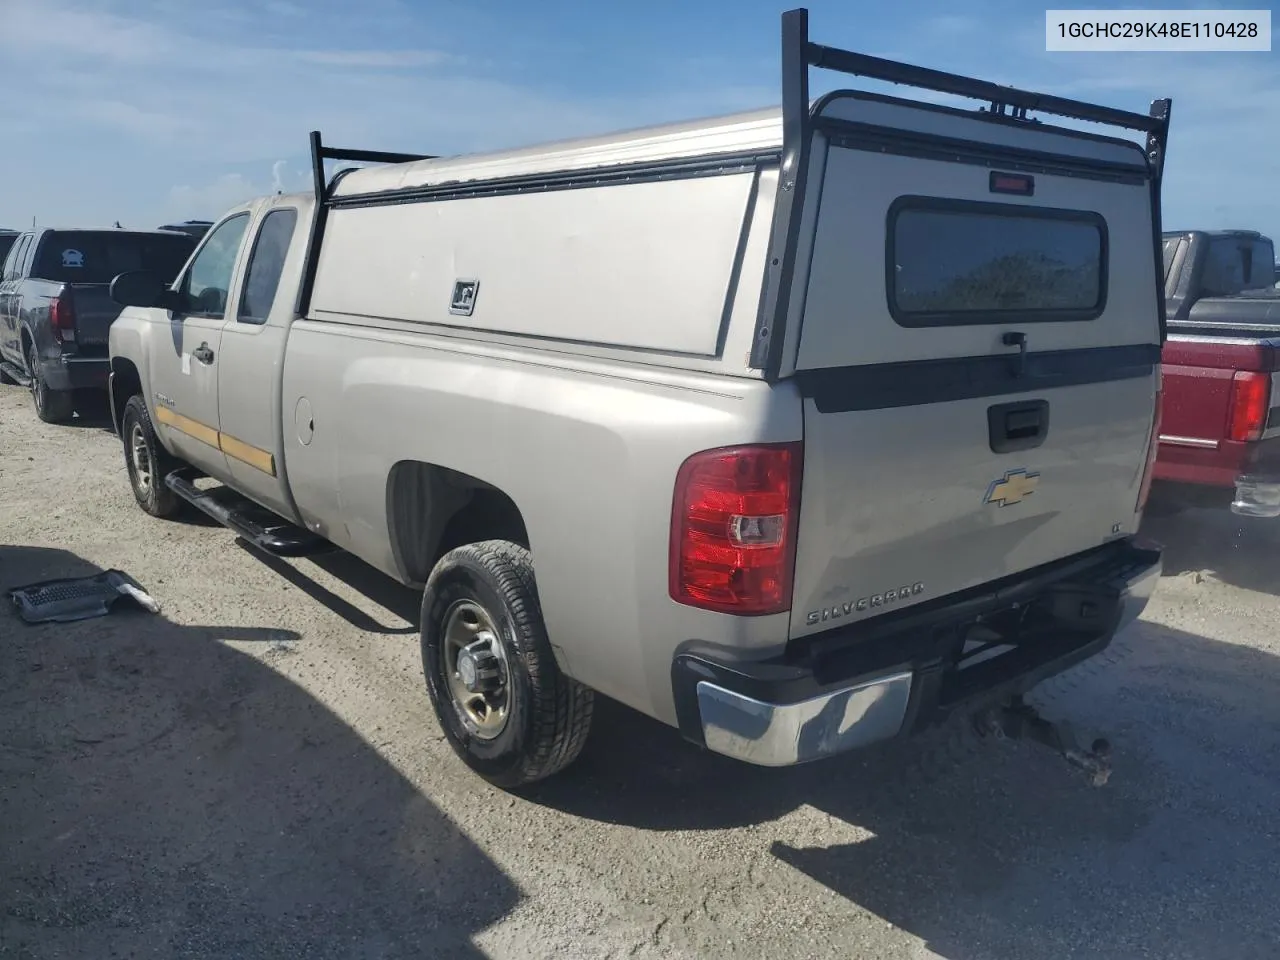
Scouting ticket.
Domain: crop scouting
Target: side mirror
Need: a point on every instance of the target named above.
(141, 288)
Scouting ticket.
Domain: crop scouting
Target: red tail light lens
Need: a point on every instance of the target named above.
(1153, 449)
(1250, 403)
(733, 528)
(62, 316)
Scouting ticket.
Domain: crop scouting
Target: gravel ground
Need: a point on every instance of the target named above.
(256, 772)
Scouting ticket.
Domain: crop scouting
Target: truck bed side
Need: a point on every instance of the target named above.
(586, 450)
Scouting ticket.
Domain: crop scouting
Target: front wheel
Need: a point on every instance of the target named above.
(505, 707)
(146, 461)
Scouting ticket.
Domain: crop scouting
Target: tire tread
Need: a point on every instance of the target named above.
(563, 708)
(166, 502)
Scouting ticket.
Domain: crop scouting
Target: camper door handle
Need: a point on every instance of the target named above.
(1016, 338)
(203, 353)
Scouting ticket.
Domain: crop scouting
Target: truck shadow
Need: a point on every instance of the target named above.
(986, 849)
(166, 794)
(357, 575)
(1240, 551)
(90, 413)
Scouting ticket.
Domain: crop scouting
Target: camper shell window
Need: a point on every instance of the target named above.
(955, 262)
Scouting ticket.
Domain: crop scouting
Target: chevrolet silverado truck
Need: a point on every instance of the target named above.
(1220, 407)
(797, 429)
(55, 308)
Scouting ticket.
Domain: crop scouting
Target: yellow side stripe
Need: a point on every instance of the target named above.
(192, 428)
(255, 457)
(247, 453)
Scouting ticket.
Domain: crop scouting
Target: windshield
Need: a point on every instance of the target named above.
(1237, 264)
(98, 256)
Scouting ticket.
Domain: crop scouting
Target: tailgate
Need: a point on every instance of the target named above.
(1206, 387)
(95, 311)
(978, 355)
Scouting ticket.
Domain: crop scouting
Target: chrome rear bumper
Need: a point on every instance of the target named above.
(776, 735)
(1256, 498)
(873, 707)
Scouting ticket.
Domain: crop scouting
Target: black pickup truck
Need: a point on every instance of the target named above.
(55, 311)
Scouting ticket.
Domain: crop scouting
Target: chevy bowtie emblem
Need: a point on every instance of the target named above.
(1014, 487)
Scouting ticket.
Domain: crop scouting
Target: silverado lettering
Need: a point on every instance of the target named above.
(858, 606)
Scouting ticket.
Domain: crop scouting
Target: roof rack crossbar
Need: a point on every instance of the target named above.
(799, 53)
(860, 64)
(370, 156)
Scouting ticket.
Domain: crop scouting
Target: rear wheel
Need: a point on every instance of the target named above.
(505, 707)
(52, 406)
(147, 462)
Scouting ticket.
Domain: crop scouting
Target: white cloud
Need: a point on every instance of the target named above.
(211, 200)
(376, 58)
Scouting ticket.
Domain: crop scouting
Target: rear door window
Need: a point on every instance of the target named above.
(1170, 252)
(13, 261)
(266, 263)
(1236, 264)
(959, 262)
(98, 256)
(13, 265)
(7, 242)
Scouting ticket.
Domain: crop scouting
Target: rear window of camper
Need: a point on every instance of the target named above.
(956, 262)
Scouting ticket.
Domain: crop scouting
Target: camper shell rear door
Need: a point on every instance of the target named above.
(977, 350)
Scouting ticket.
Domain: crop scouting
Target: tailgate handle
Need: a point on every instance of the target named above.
(1017, 426)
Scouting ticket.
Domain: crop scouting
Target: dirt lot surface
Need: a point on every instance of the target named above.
(256, 772)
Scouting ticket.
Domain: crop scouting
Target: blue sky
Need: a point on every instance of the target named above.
(149, 110)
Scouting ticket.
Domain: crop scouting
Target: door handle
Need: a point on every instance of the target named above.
(1022, 425)
(1016, 338)
(203, 353)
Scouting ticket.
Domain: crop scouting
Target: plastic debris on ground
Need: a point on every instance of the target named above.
(79, 598)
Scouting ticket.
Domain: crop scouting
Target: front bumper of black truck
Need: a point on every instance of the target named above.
(893, 676)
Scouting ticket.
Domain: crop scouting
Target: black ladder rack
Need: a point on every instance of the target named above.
(799, 53)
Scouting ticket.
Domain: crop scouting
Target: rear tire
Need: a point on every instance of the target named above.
(52, 406)
(527, 720)
(146, 461)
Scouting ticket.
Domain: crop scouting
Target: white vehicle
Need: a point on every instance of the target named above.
(796, 429)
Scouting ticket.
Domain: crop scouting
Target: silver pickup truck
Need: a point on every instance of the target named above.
(797, 430)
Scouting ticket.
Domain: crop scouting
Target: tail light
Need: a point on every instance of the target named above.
(733, 528)
(1153, 449)
(1250, 403)
(62, 316)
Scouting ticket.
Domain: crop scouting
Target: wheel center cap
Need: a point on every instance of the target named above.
(467, 669)
(478, 667)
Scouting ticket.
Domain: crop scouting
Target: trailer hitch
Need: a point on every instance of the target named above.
(1016, 719)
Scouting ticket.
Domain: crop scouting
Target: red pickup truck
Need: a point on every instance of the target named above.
(1220, 406)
